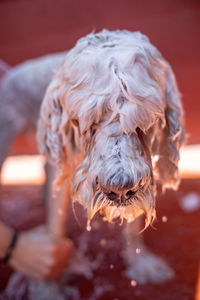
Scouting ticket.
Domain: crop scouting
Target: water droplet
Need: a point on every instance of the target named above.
(88, 227)
(111, 266)
(133, 283)
(190, 202)
(164, 219)
(138, 250)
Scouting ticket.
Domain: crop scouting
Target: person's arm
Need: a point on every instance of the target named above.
(37, 253)
(40, 255)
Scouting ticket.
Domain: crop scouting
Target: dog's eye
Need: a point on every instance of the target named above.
(112, 196)
(138, 130)
(130, 193)
(75, 122)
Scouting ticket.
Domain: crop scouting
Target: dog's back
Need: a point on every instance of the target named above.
(21, 92)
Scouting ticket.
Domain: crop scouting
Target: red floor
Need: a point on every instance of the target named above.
(176, 240)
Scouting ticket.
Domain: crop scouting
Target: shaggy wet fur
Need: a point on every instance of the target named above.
(115, 101)
(22, 89)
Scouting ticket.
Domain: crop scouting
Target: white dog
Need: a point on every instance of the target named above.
(113, 118)
(114, 103)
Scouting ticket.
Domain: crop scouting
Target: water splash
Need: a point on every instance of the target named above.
(138, 250)
(88, 227)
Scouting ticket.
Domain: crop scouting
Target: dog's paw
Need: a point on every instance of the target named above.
(81, 264)
(146, 267)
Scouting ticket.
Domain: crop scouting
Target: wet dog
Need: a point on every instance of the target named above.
(114, 102)
(112, 121)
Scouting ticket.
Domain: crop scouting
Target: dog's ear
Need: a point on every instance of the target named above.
(173, 134)
(52, 133)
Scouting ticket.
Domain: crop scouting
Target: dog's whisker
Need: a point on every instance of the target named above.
(100, 202)
(96, 199)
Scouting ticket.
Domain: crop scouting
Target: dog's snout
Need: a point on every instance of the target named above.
(121, 188)
(118, 184)
(114, 196)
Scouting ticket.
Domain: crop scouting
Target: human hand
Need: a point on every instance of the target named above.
(41, 255)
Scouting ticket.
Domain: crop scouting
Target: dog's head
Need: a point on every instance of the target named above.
(115, 100)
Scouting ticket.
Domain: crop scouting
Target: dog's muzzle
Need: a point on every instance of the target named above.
(121, 191)
(120, 199)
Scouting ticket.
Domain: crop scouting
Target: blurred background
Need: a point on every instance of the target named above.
(30, 29)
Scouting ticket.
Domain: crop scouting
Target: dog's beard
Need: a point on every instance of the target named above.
(141, 203)
(96, 201)
(99, 165)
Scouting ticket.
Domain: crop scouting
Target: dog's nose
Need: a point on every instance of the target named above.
(124, 196)
(119, 187)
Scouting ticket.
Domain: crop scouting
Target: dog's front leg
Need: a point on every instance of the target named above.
(141, 264)
(57, 204)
